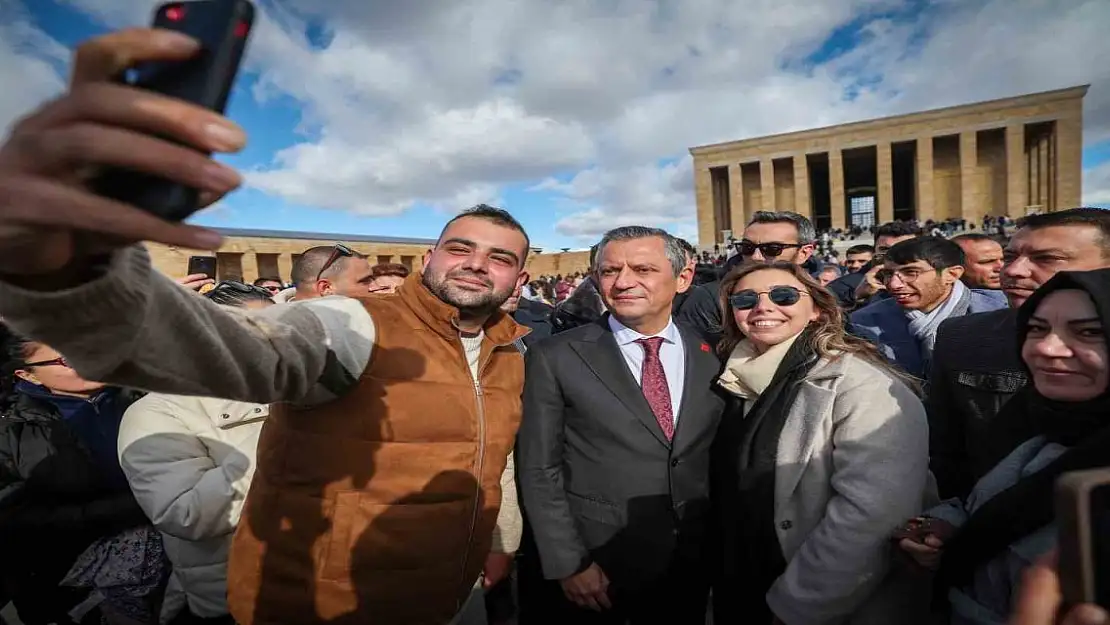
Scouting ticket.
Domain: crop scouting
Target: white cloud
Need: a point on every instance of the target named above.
(445, 102)
(30, 64)
(1096, 185)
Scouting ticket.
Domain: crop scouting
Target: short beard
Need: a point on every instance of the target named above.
(469, 303)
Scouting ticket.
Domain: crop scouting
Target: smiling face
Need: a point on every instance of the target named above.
(476, 265)
(768, 324)
(1065, 347)
(917, 285)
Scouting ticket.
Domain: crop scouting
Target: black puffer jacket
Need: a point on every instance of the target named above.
(55, 501)
(583, 306)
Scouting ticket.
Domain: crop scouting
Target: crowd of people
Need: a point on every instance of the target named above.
(753, 442)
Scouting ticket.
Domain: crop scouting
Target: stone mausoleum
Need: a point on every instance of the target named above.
(249, 254)
(1013, 157)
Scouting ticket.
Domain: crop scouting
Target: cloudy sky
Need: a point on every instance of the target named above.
(382, 117)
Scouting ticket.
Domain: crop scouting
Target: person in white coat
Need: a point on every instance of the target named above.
(189, 461)
(821, 452)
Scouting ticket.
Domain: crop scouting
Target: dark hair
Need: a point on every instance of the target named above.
(939, 252)
(801, 223)
(829, 338)
(686, 246)
(16, 350)
(860, 249)
(237, 294)
(492, 214)
(307, 267)
(259, 281)
(389, 269)
(897, 229)
(973, 236)
(1084, 216)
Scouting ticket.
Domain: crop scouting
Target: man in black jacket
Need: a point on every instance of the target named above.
(769, 236)
(976, 365)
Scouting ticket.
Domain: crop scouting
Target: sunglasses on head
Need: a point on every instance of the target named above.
(337, 251)
(769, 250)
(53, 362)
(779, 296)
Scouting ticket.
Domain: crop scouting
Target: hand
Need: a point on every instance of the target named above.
(588, 589)
(497, 569)
(49, 218)
(195, 281)
(927, 550)
(870, 285)
(1039, 600)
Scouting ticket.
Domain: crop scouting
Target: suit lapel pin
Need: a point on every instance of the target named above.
(705, 347)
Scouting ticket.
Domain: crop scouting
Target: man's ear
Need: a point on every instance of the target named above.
(24, 374)
(954, 274)
(806, 252)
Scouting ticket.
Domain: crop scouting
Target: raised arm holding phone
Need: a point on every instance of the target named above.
(72, 276)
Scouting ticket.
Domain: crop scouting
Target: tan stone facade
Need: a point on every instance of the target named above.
(1003, 157)
(249, 254)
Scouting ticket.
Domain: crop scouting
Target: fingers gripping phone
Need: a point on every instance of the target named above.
(202, 265)
(1083, 518)
(222, 27)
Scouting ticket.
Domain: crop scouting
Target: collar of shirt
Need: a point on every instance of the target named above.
(626, 335)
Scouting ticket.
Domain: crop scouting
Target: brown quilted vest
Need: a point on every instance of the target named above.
(379, 507)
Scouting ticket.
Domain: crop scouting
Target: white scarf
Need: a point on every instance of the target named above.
(748, 373)
(923, 326)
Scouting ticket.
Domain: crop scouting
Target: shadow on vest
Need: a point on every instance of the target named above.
(343, 544)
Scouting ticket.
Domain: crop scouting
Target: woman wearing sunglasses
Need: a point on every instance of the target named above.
(68, 520)
(822, 449)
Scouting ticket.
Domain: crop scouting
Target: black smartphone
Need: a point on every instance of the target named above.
(202, 265)
(223, 28)
(1083, 519)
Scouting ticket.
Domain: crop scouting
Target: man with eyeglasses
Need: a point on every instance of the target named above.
(769, 236)
(922, 276)
(331, 270)
(859, 287)
(272, 285)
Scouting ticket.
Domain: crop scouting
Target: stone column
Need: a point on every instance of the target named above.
(837, 210)
(885, 169)
(736, 207)
(1069, 160)
(1044, 173)
(767, 184)
(925, 208)
(703, 196)
(285, 267)
(250, 267)
(802, 204)
(971, 197)
(1017, 178)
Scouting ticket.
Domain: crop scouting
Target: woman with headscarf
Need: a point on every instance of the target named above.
(983, 544)
(190, 461)
(822, 450)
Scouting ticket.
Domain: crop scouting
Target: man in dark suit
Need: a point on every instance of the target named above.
(613, 451)
(976, 365)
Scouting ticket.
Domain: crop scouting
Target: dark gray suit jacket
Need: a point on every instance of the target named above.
(599, 480)
(976, 369)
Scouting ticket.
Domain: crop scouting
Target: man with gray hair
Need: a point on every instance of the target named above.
(769, 236)
(613, 451)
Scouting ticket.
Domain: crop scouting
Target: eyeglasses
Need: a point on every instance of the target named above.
(769, 250)
(54, 362)
(337, 251)
(779, 296)
(272, 289)
(907, 275)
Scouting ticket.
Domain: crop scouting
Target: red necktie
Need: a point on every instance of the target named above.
(653, 382)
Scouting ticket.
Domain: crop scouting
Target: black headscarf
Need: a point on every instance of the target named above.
(1083, 426)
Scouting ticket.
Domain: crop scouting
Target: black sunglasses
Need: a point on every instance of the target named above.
(779, 296)
(769, 250)
(59, 361)
(337, 251)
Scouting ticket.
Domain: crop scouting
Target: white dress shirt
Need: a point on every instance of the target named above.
(672, 353)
